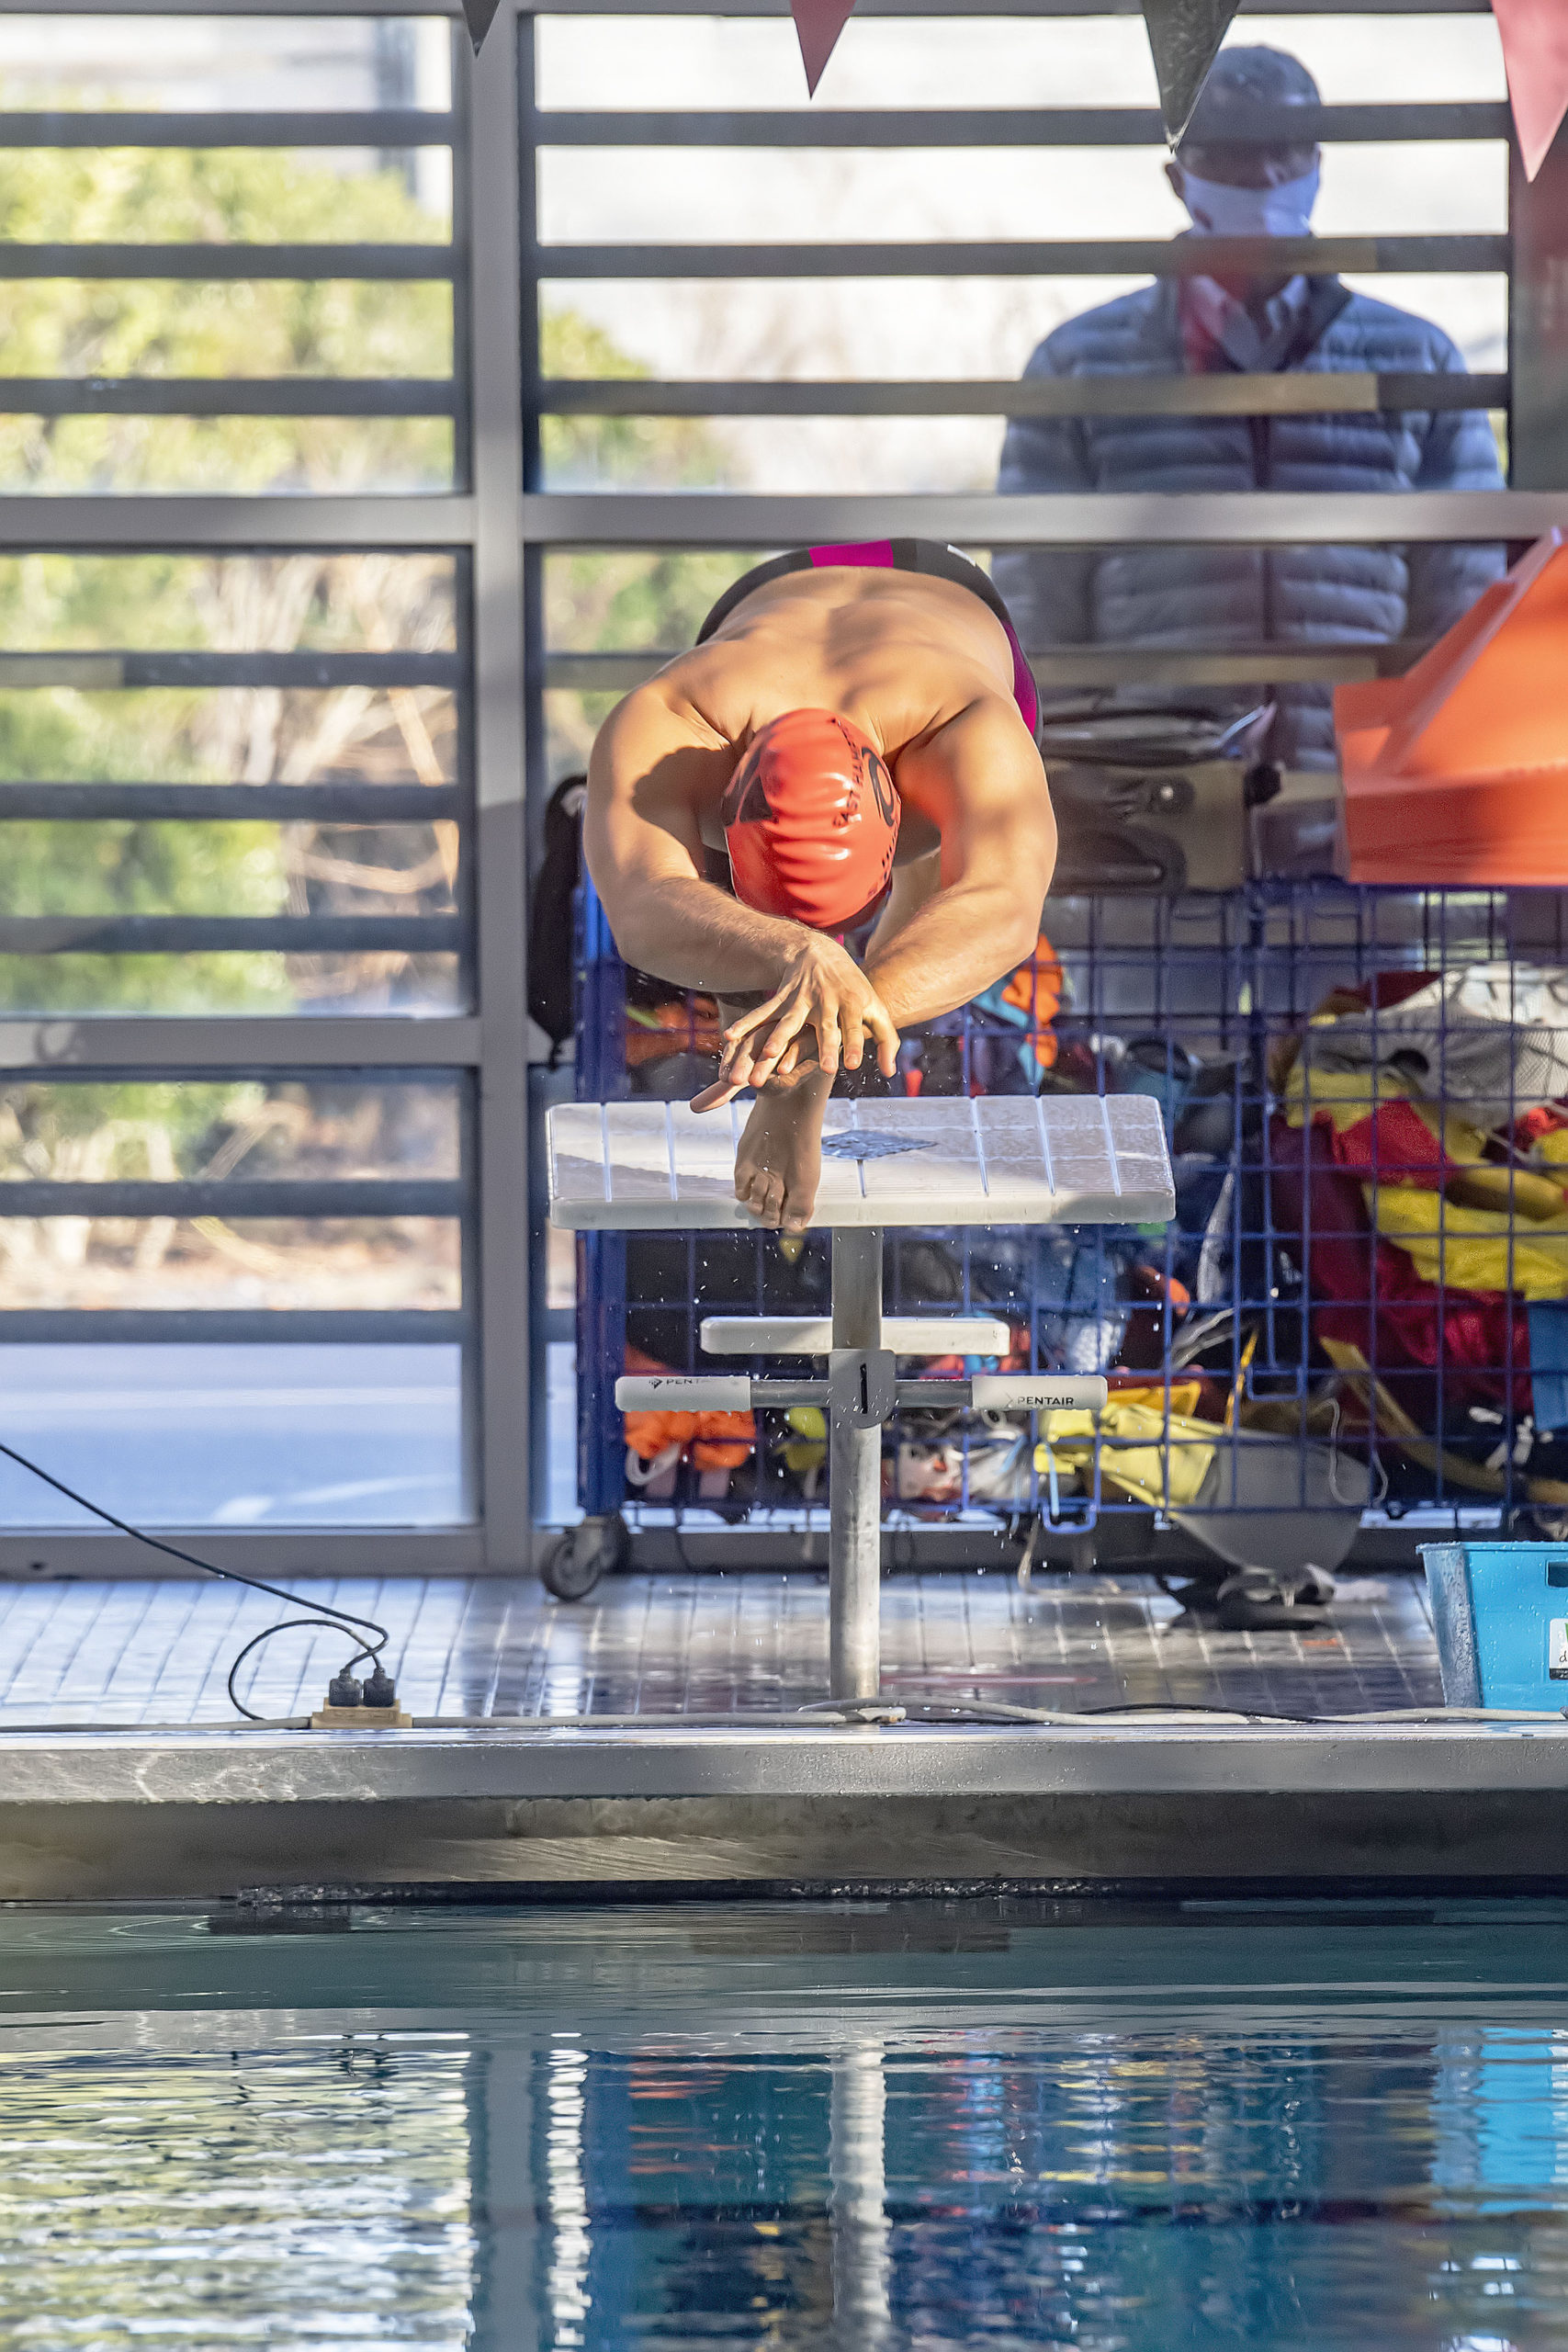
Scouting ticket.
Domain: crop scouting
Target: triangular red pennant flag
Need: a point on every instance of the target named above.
(1535, 50)
(480, 15)
(1184, 36)
(819, 23)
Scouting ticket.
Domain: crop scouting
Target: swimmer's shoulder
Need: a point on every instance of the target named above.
(977, 751)
(677, 699)
(661, 742)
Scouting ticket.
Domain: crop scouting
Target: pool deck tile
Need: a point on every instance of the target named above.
(140, 1653)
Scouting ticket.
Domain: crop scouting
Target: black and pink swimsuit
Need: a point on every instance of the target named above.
(892, 555)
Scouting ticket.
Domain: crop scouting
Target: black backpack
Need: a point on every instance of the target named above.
(551, 944)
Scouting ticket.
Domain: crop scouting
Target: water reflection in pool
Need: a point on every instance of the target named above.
(911, 2125)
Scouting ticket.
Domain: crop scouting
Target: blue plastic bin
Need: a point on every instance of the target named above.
(1501, 1615)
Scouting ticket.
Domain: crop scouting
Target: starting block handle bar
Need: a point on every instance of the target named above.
(740, 1393)
(1006, 1393)
(812, 1335)
(678, 1392)
(1038, 1392)
(716, 1393)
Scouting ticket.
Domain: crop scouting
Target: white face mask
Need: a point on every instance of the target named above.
(1220, 210)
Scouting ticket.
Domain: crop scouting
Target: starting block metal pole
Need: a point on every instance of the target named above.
(854, 1481)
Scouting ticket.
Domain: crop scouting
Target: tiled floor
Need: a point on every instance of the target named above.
(158, 1652)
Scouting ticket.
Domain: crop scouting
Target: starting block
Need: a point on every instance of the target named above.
(997, 1160)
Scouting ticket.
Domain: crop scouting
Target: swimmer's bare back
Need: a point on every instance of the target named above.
(925, 671)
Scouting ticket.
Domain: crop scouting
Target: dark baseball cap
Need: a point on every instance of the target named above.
(1240, 80)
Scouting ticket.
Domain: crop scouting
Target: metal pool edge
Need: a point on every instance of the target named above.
(209, 1816)
(219, 1767)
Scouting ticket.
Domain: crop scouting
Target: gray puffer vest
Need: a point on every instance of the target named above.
(1213, 597)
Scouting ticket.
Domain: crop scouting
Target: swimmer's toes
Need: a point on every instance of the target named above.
(797, 1209)
(753, 1192)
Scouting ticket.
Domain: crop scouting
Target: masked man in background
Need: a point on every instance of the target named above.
(1217, 598)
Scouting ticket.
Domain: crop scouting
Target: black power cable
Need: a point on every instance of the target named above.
(324, 1613)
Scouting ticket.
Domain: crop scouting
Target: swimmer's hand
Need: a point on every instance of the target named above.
(823, 990)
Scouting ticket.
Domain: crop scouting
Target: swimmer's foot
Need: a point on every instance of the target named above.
(778, 1163)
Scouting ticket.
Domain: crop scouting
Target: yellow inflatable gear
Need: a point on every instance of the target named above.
(1170, 1468)
(1347, 1096)
(1449, 1242)
(1492, 1227)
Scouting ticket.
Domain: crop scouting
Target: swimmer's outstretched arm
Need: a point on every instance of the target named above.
(981, 782)
(652, 767)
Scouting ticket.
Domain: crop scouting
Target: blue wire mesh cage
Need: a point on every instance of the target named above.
(1359, 1316)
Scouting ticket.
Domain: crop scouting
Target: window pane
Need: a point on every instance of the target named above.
(236, 1436)
(179, 1264)
(215, 196)
(779, 456)
(906, 328)
(977, 61)
(251, 980)
(320, 601)
(280, 1129)
(719, 195)
(398, 456)
(604, 62)
(372, 734)
(234, 329)
(123, 866)
(214, 62)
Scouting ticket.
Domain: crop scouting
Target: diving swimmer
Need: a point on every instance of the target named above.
(853, 734)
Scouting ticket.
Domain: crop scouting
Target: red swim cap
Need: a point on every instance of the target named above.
(810, 820)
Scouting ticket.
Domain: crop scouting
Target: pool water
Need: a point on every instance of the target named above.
(1119, 2126)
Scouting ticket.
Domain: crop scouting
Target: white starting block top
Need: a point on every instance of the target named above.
(996, 1160)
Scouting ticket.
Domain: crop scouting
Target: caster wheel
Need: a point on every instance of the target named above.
(584, 1555)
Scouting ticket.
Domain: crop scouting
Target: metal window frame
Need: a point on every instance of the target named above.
(486, 1051)
(499, 522)
(362, 126)
(984, 127)
(1011, 257)
(213, 261)
(1225, 395)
